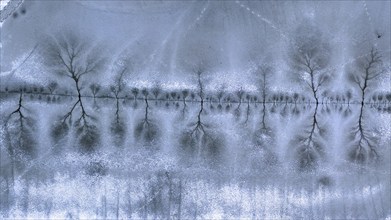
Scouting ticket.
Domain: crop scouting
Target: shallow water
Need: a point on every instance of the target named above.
(232, 168)
(195, 110)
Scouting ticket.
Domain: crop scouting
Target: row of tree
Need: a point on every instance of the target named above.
(55, 92)
(77, 60)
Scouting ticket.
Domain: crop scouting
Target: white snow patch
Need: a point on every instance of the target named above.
(3, 3)
(232, 81)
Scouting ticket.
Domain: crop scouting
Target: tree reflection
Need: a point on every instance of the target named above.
(73, 57)
(310, 56)
(200, 140)
(118, 126)
(310, 145)
(363, 74)
(263, 155)
(21, 142)
(147, 130)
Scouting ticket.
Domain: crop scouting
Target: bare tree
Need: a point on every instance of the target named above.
(147, 130)
(135, 92)
(52, 86)
(95, 88)
(156, 90)
(199, 141)
(118, 127)
(309, 57)
(365, 71)
(239, 94)
(21, 146)
(310, 144)
(71, 56)
(262, 151)
(264, 72)
(185, 94)
(388, 97)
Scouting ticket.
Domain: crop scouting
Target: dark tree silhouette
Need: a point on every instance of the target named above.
(309, 57)
(264, 72)
(239, 94)
(199, 141)
(19, 133)
(21, 146)
(365, 71)
(388, 97)
(156, 90)
(363, 75)
(95, 88)
(135, 92)
(185, 94)
(118, 127)
(310, 146)
(73, 57)
(52, 87)
(147, 130)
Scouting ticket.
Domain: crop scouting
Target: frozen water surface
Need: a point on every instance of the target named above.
(195, 110)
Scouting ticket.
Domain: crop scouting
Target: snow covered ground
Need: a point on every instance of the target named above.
(196, 109)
